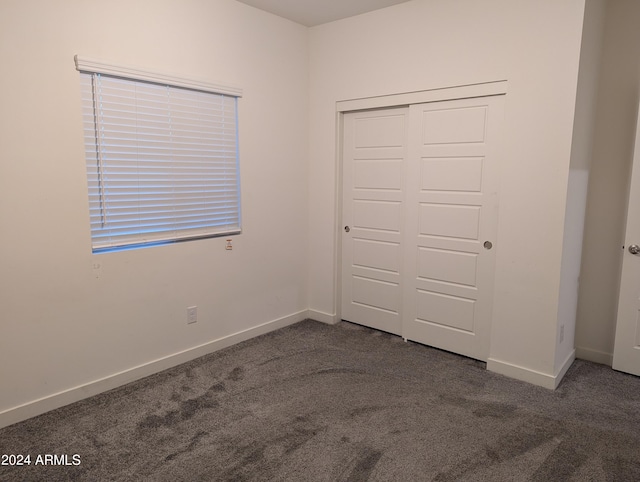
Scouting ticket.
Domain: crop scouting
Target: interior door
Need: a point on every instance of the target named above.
(451, 223)
(626, 352)
(374, 152)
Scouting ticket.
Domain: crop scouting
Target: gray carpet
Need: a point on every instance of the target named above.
(326, 403)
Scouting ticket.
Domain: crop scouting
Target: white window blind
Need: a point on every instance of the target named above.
(162, 161)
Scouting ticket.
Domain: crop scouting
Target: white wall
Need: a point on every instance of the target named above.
(426, 44)
(609, 181)
(581, 157)
(61, 326)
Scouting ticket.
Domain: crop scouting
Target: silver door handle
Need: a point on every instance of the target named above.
(634, 249)
(347, 229)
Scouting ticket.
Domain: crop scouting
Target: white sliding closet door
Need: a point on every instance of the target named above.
(420, 188)
(451, 224)
(374, 151)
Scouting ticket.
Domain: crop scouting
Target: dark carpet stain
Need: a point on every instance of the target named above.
(195, 440)
(301, 430)
(619, 469)
(331, 371)
(252, 458)
(336, 371)
(480, 408)
(188, 409)
(455, 400)
(365, 465)
(365, 411)
(236, 374)
(155, 421)
(562, 463)
(272, 360)
(528, 436)
(247, 461)
(97, 443)
(297, 439)
(218, 387)
(494, 409)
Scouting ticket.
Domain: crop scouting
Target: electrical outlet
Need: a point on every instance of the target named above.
(192, 314)
(229, 245)
(561, 333)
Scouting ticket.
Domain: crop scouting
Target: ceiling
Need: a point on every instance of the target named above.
(316, 12)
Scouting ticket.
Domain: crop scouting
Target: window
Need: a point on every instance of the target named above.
(162, 157)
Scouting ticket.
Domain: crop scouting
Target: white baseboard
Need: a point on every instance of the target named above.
(531, 376)
(323, 317)
(565, 367)
(60, 399)
(594, 356)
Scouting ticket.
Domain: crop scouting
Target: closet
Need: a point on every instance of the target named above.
(419, 220)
